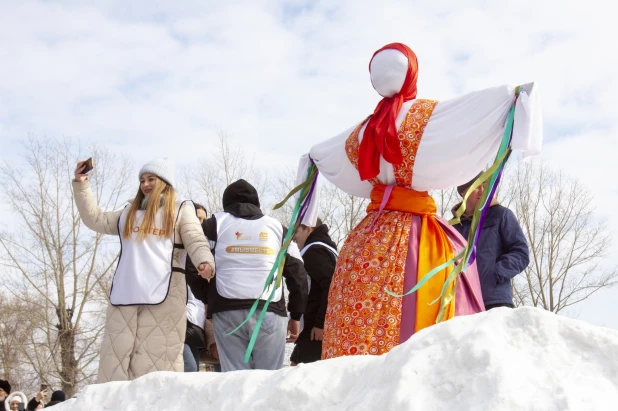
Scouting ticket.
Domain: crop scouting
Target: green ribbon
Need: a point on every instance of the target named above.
(428, 276)
(477, 183)
(279, 261)
(490, 174)
(301, 186)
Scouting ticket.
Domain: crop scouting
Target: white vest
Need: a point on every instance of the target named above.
(196, 310)
(245, 253)
(331, 249)
(144, 270)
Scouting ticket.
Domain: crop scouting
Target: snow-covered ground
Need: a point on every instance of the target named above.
(523, 359)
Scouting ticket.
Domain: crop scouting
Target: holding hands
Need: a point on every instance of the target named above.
(205, 271)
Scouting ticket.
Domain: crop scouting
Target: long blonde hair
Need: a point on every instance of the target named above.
(163, 191)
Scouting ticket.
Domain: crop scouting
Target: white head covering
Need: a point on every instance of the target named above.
(388, 70)
(16, 396)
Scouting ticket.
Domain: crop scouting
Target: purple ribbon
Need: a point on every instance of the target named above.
(484, 212)
(305, 206)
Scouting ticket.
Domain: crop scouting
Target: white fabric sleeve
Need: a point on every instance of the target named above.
(463, 135)
(528, 127)
(461, 138)
(333, 164)
(331, 159)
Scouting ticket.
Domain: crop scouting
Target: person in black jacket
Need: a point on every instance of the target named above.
(319, 254)
(501, 252)
(245, 243)
(36, 402)
(56, 398)
(195, 339)
(5, 390)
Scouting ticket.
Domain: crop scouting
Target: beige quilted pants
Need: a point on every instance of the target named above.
(145, 338)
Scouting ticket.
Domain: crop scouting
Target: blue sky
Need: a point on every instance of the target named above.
(152, 78)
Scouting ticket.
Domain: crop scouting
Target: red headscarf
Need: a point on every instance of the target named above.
(380, 137)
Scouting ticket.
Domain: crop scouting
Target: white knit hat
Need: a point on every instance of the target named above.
(162, 168)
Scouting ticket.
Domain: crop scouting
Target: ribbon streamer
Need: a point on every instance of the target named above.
(492, 176)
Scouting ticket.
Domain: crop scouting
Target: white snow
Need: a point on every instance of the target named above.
(523, 359)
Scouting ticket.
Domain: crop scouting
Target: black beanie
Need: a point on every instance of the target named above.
(58, 396)
(4, 384)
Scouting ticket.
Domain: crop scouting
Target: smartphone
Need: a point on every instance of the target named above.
(44, 387)
(88, 166)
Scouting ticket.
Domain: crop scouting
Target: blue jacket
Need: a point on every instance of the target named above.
(501, 253)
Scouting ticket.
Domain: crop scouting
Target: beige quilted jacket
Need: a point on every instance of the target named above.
(140, 339)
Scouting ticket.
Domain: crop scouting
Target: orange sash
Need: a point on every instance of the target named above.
(434, 247)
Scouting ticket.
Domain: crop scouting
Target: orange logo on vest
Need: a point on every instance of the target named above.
(149, 231)
(241, 236)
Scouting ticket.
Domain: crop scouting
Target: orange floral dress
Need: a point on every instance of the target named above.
(361, 317)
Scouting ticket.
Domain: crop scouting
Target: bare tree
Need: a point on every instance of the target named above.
(52, 258)
(282, 183)
(340, 211)
(347, 212)
(567, 242)
(16, 326)
(227, 163)
(445, 201)
(10, 340)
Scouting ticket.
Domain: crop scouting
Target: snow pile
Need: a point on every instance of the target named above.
(501, 360)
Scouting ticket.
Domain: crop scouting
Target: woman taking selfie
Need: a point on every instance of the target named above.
(146, 318)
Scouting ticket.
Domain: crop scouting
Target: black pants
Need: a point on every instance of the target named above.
(490, 306)
(306, 351)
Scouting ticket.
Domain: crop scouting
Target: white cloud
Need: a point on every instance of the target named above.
(156, 77)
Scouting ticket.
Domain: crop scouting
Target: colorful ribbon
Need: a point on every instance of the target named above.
(467, 255)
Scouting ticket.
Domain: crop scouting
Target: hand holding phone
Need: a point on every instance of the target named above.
(82, 168)
(89, 165)
(43, 392)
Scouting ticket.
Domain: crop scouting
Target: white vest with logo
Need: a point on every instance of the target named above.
(245, 253)
(144, 270)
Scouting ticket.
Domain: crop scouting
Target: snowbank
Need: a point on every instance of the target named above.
(523, 359)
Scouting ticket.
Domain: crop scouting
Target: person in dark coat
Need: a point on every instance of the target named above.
(35, 402)
(5, 390)
(501, 252)
(319, 254)
(195, 339)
